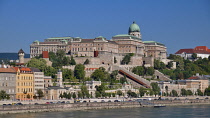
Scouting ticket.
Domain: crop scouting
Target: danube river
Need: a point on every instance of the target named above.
(189, 111)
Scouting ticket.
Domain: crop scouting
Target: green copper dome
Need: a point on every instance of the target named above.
(134, 28)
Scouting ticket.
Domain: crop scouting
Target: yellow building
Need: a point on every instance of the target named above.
(24, 83)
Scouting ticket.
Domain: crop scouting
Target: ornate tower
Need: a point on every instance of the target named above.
(134, 30)
(21, 56)
(59, 78)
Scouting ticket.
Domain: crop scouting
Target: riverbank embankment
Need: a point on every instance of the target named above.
(95, 105)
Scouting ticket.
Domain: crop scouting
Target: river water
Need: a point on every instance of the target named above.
(190, 111)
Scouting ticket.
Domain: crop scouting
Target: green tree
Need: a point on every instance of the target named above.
(207, 91)
(194, 56)
(52, 56)
(79, 71)
(162, 65)
(166, 87)
(174, 93)
(37, 63)
(60, 54)
(199, 92)
(61, 95)
(115, 60)
(113, 94)
(97, 94)
(79, 94)
(64, 94)
(100, 74)
(69, 95)
(67, 74)
(103, 94)
(119, 92)
(126, 59)
(85, 92)
(170, 64)
(86, 61)
(3, 95)
(133, 94)
(157, 64)
(74, 95)
(150, 71)
(100, 88)
(189, 92)
(142, 91)
(50, 71)
(183, 92)
(40, 93)
(123, 79)
(114, 74)
(28, 96)
(139, 70)
(155, 88)
(66, 61)
(129, 93)
(72, 62)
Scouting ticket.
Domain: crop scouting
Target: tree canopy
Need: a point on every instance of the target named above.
(186, 68)
(79, 71)
(155, 88)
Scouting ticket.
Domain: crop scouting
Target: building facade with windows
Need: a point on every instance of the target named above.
(24, 83)
(8, 81)
(119, 45)
(201, 51)
(38, 80)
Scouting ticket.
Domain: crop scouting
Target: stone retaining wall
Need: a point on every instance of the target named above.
(92, 105)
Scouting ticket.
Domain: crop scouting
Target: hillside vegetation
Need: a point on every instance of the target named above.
(185, 68)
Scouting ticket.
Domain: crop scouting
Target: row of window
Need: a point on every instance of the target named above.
(24, 90)
(7, 78)
(25, 78)
(25, 84)
(39, 81)
(10, 91)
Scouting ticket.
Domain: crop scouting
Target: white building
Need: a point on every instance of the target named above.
(201, 51)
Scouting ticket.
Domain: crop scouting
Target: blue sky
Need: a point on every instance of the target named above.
(176, 23)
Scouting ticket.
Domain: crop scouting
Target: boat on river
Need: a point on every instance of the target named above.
(159, 105)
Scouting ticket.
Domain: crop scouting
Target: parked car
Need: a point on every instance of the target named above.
(67, 102)
(116, 100)
(47, 103)
(35, 103)
(63, 102)
(102, 101)
(206, 98)
(19, 103)
(109, 101)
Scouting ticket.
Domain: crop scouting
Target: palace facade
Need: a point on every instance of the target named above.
(118, 45)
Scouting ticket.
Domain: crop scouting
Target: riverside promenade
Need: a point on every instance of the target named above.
(29, 108)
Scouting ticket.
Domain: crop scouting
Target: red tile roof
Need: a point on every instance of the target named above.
(7, 70)
(201, 48)
(193, 77)
(16, 68)
(25, 69)
(190, 51)
(22, 69)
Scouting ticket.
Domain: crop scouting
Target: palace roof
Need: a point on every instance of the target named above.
(152, 43)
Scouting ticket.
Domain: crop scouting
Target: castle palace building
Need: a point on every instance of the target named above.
(119, 44)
